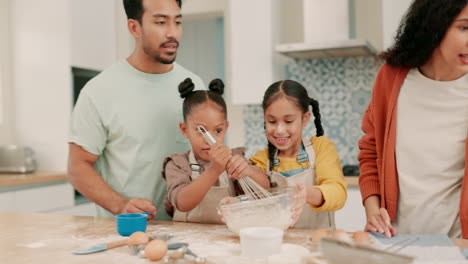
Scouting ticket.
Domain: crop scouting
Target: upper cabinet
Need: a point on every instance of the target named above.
(251, 34)
(260, 33)
(202, 9)
(338, 28)
(94, 33)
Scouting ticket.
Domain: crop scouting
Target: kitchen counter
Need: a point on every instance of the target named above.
(15, 181)
(18, 179)
(352, 181)
(48, 238)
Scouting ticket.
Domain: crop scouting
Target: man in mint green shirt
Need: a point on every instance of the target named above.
(126, 119)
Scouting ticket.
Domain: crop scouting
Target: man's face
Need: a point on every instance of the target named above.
(161, 29)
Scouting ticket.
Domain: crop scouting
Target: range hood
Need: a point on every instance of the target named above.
(330, 29)
(333, 48)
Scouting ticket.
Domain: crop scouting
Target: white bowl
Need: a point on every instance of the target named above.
(242, 211)
(260, 242)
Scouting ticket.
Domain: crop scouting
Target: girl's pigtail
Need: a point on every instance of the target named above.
(271, 162)
(316, 111)
(186, 87)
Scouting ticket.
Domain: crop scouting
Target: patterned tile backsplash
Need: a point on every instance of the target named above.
(343, 87)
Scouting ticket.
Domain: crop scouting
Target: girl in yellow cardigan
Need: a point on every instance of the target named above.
(291, 160)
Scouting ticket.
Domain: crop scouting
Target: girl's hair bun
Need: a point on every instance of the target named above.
(186, 87)
(216, 86)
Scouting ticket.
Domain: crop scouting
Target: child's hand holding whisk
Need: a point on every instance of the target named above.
(219, 156)
(238, 167)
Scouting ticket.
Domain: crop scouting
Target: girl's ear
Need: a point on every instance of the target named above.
(183, 129)
(305, 119)
(227, 124)
(134, 28)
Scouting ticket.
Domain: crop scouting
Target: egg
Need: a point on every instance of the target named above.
(361, 237)
(156, 249)
(317, 234)
(341, 235)
(138, 238)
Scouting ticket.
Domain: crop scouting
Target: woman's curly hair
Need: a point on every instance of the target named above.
(421, 31)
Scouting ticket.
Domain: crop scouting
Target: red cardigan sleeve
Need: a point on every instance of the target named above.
(369, 161)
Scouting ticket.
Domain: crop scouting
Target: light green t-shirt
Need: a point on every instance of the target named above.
(131, 120)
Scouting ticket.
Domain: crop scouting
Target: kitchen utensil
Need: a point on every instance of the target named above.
(178, 252)
(337, 252)
(187, 259)
(206, 135)
(260, 242)
(17, 159)
(100, 247)
(127, 224)
(401, 244)
(244, 211)
(249, 186)
(178, 248)
(136, 248)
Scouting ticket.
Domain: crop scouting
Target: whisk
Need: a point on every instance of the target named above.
(249, 186)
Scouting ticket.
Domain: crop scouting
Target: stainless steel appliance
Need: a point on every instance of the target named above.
(17, 159)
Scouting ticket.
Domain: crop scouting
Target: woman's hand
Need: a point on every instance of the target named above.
(219, 157)
(378, 219)
(299, 203)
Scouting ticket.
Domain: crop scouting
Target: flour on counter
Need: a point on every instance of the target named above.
(33, 245)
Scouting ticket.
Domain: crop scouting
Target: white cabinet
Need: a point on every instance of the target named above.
(252, 63)
(7, 202)
(94, 33)
(86, 209)
(6, 91)
(202, 9)
(379, 20)
(40, 199)
(392, 12)
(250, 34)
(340, 28)
(352, 216)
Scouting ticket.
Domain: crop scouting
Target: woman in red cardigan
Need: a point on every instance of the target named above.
(413, 156)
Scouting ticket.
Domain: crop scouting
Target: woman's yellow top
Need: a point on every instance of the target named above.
(329, 175)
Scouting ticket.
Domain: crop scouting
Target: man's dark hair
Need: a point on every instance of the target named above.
(134, 8)
(421, 31)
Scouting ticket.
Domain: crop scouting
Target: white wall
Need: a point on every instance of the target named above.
(42, 78)
(93, 33)
(125, 41)
(198, 49)
(393, 11)
(202, 8)
(6, 90)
